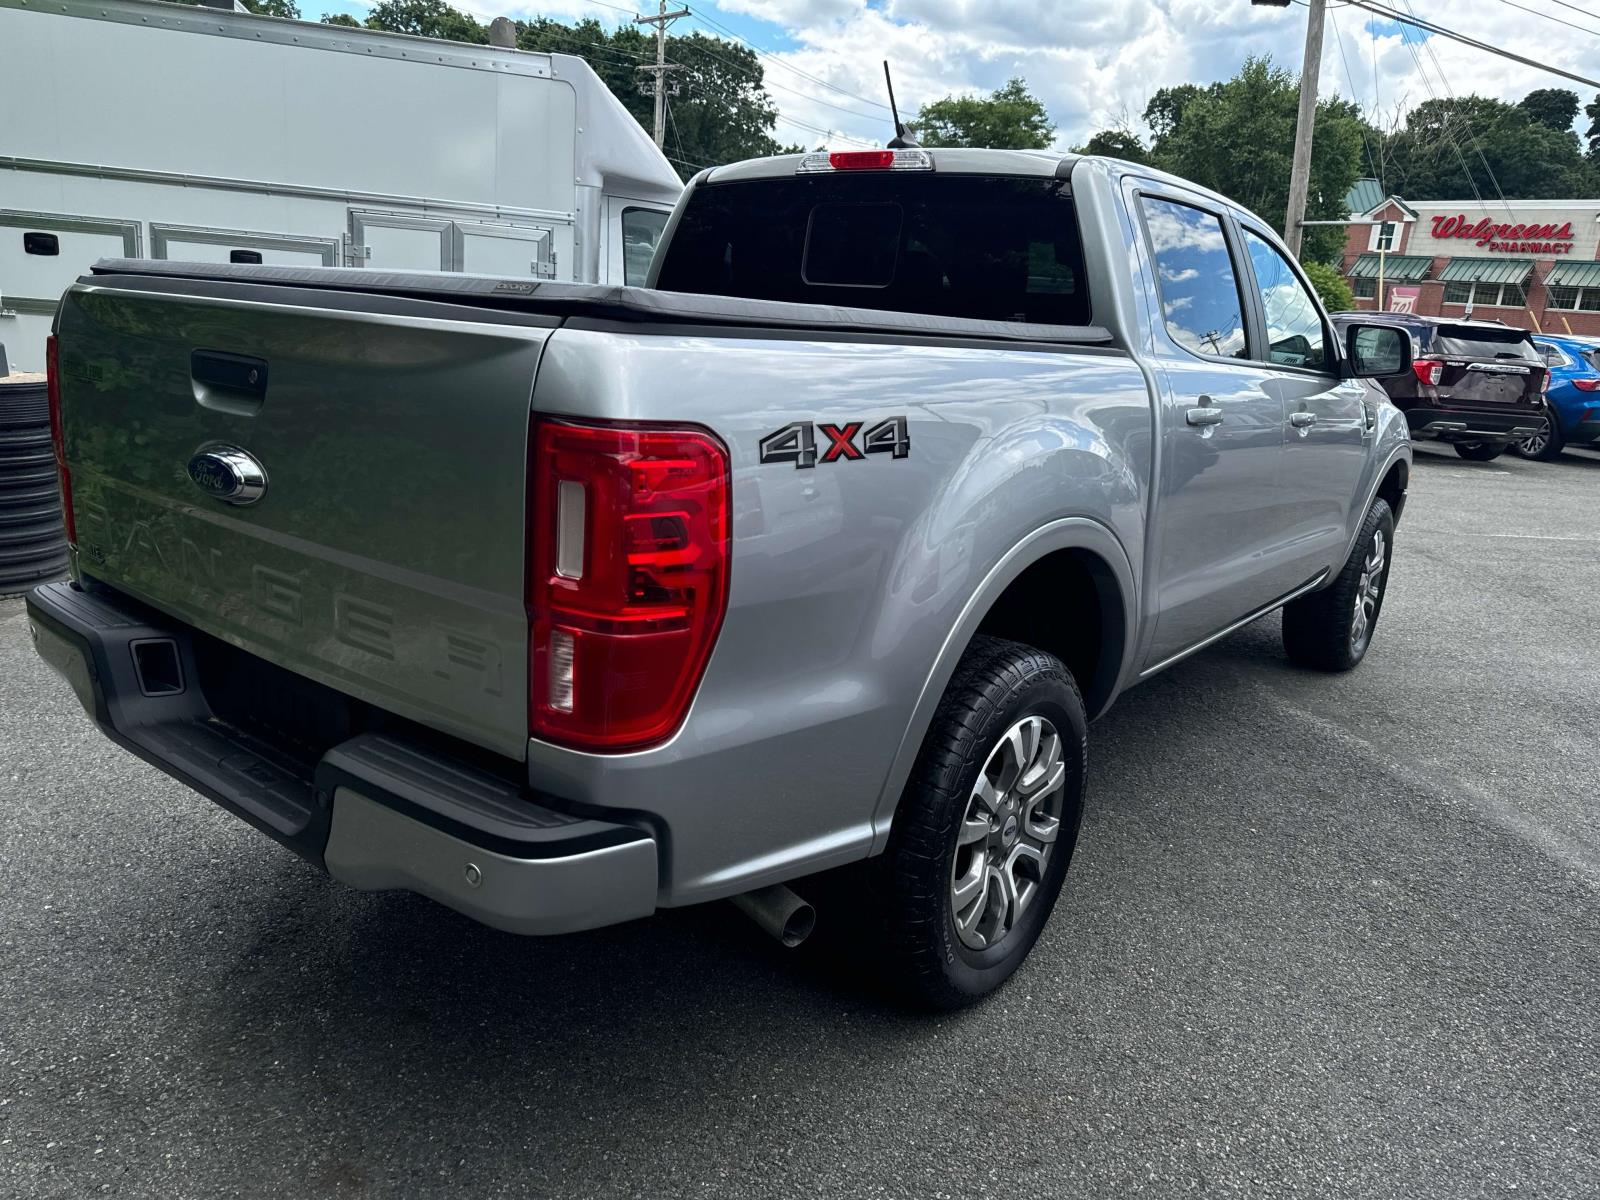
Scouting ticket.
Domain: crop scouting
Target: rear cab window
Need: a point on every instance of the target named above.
(993, 248)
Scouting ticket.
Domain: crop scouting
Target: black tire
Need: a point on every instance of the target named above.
(998, 686)
(1480, 451)
(1319, 629)
(1544, 447)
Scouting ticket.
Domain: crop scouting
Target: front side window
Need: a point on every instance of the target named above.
(1295, 336)
(641, 233)
(1195, 277)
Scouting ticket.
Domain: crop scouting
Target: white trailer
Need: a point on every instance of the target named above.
(148, 129)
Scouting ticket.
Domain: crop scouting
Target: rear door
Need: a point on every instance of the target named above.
(1219, 515)
(1327, 426)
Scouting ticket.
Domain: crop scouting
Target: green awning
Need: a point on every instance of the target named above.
(1574, 274)
(1395, 266)
(1487, 270)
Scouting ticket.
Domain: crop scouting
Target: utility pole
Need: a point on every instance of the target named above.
(1304, 126)
(659, 71)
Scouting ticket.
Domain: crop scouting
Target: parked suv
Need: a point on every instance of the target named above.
(1573, 396)
(1476, 384)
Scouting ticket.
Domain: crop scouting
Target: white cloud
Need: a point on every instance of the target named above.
(1096, 65)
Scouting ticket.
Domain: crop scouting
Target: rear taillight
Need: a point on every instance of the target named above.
(628, 579)
(1586, 385)
(52, 366)
(1428, 370)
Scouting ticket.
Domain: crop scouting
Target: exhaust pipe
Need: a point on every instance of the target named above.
(780, 912)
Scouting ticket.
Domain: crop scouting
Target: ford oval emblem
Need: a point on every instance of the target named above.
(228, 473)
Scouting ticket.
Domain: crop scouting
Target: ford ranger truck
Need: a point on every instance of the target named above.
(560, 604)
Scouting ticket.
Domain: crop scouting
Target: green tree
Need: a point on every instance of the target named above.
(1474, 146)
(721, 112)
(1116, 143)
(1331, 286)
(344, 19)
(1165, 111)
(426, 18)
(1009, 118)
(1591, 135)
(1555, 108)
(1237, 138)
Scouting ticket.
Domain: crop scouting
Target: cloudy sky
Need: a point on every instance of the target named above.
(1096, 64)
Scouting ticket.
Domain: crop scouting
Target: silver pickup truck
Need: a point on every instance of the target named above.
(559, 604)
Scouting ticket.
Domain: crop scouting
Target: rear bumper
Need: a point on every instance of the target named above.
(376, 811)
(1458, 425)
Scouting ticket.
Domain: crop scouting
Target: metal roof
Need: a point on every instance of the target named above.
(1395, 266)
(1487, 270)
(1364, 196)
(1574, 274)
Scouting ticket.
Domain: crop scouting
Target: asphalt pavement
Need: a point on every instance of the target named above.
(1323, 936)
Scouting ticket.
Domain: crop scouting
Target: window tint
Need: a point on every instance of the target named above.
(1294, 326)
(853, 245)
(641, 231)
(1199, 292)
(992, 248)
(1478, 342)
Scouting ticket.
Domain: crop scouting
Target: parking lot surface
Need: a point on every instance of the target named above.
(1322, 936)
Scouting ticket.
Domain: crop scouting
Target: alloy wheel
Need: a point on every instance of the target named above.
(1008, 832)
(1369, 590)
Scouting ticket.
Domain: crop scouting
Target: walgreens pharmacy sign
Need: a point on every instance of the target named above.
(1508, 239)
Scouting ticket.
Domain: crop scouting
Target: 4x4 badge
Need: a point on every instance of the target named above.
(797, 443)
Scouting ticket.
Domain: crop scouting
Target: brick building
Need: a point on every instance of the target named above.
(1533, 263)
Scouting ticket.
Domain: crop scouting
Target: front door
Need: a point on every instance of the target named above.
(1328, 425)
(1219, 512)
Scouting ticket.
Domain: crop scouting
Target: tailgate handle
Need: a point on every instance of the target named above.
(233, 383)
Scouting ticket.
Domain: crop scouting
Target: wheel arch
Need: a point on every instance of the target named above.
(1392, 487)
(1021, 598)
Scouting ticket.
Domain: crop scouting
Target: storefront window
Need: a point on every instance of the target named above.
(1572, 299)
(1457, 293)
(1485, 295)
(1364, 289)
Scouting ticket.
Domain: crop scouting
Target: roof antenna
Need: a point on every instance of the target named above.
(902, 139)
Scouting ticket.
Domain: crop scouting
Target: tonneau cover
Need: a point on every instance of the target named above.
(605, 302)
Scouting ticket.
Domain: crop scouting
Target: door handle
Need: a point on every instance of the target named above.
(1206, 414)
(1303, 420)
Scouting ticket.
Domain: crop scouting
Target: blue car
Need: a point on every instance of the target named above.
(1574, 396)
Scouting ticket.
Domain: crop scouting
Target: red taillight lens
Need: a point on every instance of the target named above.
(52, 367)
(1428, 370)
(628, 579)
(861, 160)
(1587, 385)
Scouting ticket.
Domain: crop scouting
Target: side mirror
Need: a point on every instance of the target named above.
(1377, 351)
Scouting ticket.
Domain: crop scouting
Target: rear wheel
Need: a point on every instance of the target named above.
(1480, 451)
(1546, 445)
(986, 827)
(1331, 629)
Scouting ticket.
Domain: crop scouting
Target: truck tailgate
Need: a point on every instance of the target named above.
(385, 556)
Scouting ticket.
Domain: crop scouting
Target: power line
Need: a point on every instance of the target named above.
(1557, 20)
(726, 32)
(1417, 22)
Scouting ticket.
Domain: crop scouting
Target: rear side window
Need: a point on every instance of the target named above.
(1199, 290)
(1471, 341)
(989, 248)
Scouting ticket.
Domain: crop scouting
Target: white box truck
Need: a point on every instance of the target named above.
(139, 128)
